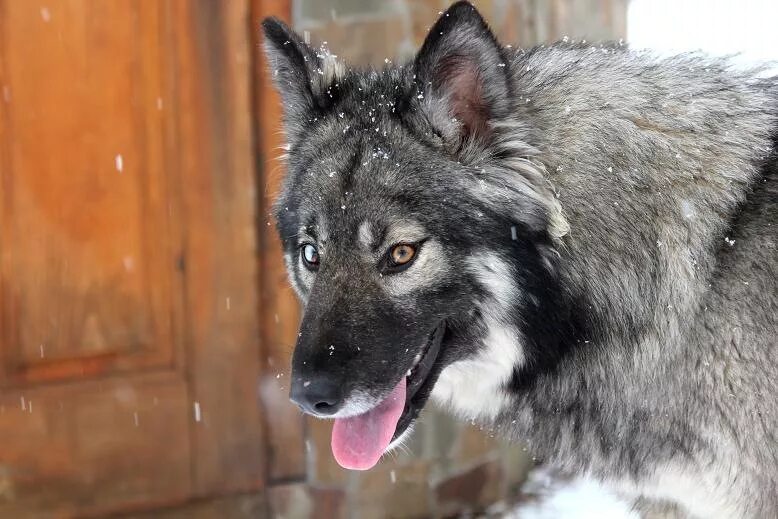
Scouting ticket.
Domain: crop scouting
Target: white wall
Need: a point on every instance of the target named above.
(718, 27)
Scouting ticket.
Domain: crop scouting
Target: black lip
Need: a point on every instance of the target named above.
(420, 386)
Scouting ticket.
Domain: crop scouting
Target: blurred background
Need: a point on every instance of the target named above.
(145, 319)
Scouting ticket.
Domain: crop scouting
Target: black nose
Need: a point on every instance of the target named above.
(317, 395)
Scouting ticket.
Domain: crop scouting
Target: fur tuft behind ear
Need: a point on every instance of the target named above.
(462, 74)
(303, 76)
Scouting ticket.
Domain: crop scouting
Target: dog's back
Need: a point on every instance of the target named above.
(734, 343)
(666, 170)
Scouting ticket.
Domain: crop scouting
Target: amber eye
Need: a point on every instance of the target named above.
(402, 253)
(310, 256)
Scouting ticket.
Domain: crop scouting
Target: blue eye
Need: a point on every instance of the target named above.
(310, 256)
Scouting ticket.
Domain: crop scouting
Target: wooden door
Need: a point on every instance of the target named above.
(129, 356)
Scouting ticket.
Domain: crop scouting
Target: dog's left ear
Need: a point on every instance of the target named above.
(301, 75)
(462, 77)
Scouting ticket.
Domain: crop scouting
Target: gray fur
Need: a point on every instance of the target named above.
(627, 202)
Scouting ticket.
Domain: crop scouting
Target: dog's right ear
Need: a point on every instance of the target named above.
(301, 75)
(462, 77)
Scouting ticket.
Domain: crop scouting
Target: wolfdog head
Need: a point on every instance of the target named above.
(418, 231)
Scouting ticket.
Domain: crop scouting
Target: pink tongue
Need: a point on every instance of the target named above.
(360, 441)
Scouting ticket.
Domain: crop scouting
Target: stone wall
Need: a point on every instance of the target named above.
(448, 469)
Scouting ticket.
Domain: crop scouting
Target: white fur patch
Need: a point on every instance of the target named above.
(473, 387)
(291, 261)
(356, 404)
(306, 277)
(496, 277)
(365, 234)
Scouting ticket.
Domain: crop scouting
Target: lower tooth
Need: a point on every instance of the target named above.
(408, 374)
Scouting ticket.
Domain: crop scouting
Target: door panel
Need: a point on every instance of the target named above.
(90, 289)
(90, 446)
(86, 240)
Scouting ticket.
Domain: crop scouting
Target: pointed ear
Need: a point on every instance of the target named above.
(301, 75)
(463, 76)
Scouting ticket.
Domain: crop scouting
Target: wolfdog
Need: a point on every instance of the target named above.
(575, 245)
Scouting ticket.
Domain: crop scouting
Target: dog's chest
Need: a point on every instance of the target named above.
(473, 387)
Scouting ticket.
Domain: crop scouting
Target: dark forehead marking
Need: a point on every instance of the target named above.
(347, 176)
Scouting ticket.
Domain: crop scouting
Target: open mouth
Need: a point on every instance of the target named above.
(419, 382)
(358, 442)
